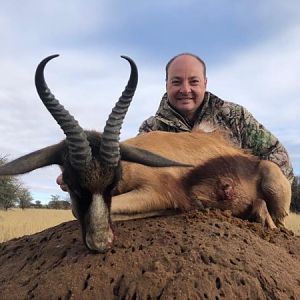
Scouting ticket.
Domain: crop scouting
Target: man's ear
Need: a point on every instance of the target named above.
(205, 82)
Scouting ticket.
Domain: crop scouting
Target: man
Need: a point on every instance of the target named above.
(187, 105)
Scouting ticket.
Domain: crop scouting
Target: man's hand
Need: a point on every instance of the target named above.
(60, 182)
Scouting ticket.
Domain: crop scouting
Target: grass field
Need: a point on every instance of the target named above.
(293, 223)
(16, 222)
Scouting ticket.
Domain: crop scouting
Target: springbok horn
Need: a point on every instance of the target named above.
(78, 145)
(110, 149)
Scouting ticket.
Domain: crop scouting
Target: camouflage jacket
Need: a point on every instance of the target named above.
(244, 129)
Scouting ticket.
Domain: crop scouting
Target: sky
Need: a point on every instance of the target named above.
(251, 48)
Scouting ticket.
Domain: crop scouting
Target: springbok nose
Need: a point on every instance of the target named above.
(100, 242)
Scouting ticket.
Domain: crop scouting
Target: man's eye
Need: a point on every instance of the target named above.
(175, 82)
(194, 82)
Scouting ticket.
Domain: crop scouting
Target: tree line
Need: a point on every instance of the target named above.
(14, 194)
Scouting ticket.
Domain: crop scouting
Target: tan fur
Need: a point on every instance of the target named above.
(224, 177)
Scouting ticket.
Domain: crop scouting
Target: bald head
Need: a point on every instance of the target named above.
(186, 54)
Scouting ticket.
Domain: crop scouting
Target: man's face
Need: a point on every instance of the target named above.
(186, 85)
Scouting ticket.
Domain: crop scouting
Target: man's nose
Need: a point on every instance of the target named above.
(185, 88)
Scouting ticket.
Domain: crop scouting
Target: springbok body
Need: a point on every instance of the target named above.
(135, 179)
(223, 177)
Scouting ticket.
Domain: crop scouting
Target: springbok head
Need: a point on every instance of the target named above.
(90, 160)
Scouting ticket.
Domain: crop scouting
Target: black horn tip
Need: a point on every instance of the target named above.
(130, 60)
(39, 73)
(45, 60)
(134, 72)
(126, 57)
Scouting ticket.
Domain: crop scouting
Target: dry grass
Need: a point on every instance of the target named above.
(17, 222)
(293, 223)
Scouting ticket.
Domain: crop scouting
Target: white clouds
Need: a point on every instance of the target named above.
(264, 76)
(48, 20)
(265, 80)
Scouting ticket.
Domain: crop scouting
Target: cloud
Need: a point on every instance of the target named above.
(54, 21)
(264, 79)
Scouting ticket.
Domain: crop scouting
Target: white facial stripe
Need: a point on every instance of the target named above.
(99, 235)
(98, 212)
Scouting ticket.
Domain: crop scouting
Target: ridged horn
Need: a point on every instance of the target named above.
(77, 142)
(110, 149)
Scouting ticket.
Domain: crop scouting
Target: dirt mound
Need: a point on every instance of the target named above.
(199, 255)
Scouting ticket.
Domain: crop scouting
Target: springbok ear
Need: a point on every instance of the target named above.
(147, 158)
(41, 158)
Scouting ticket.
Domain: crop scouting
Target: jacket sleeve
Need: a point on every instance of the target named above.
(263, 143)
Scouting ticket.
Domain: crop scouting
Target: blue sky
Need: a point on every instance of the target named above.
(251, 49)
